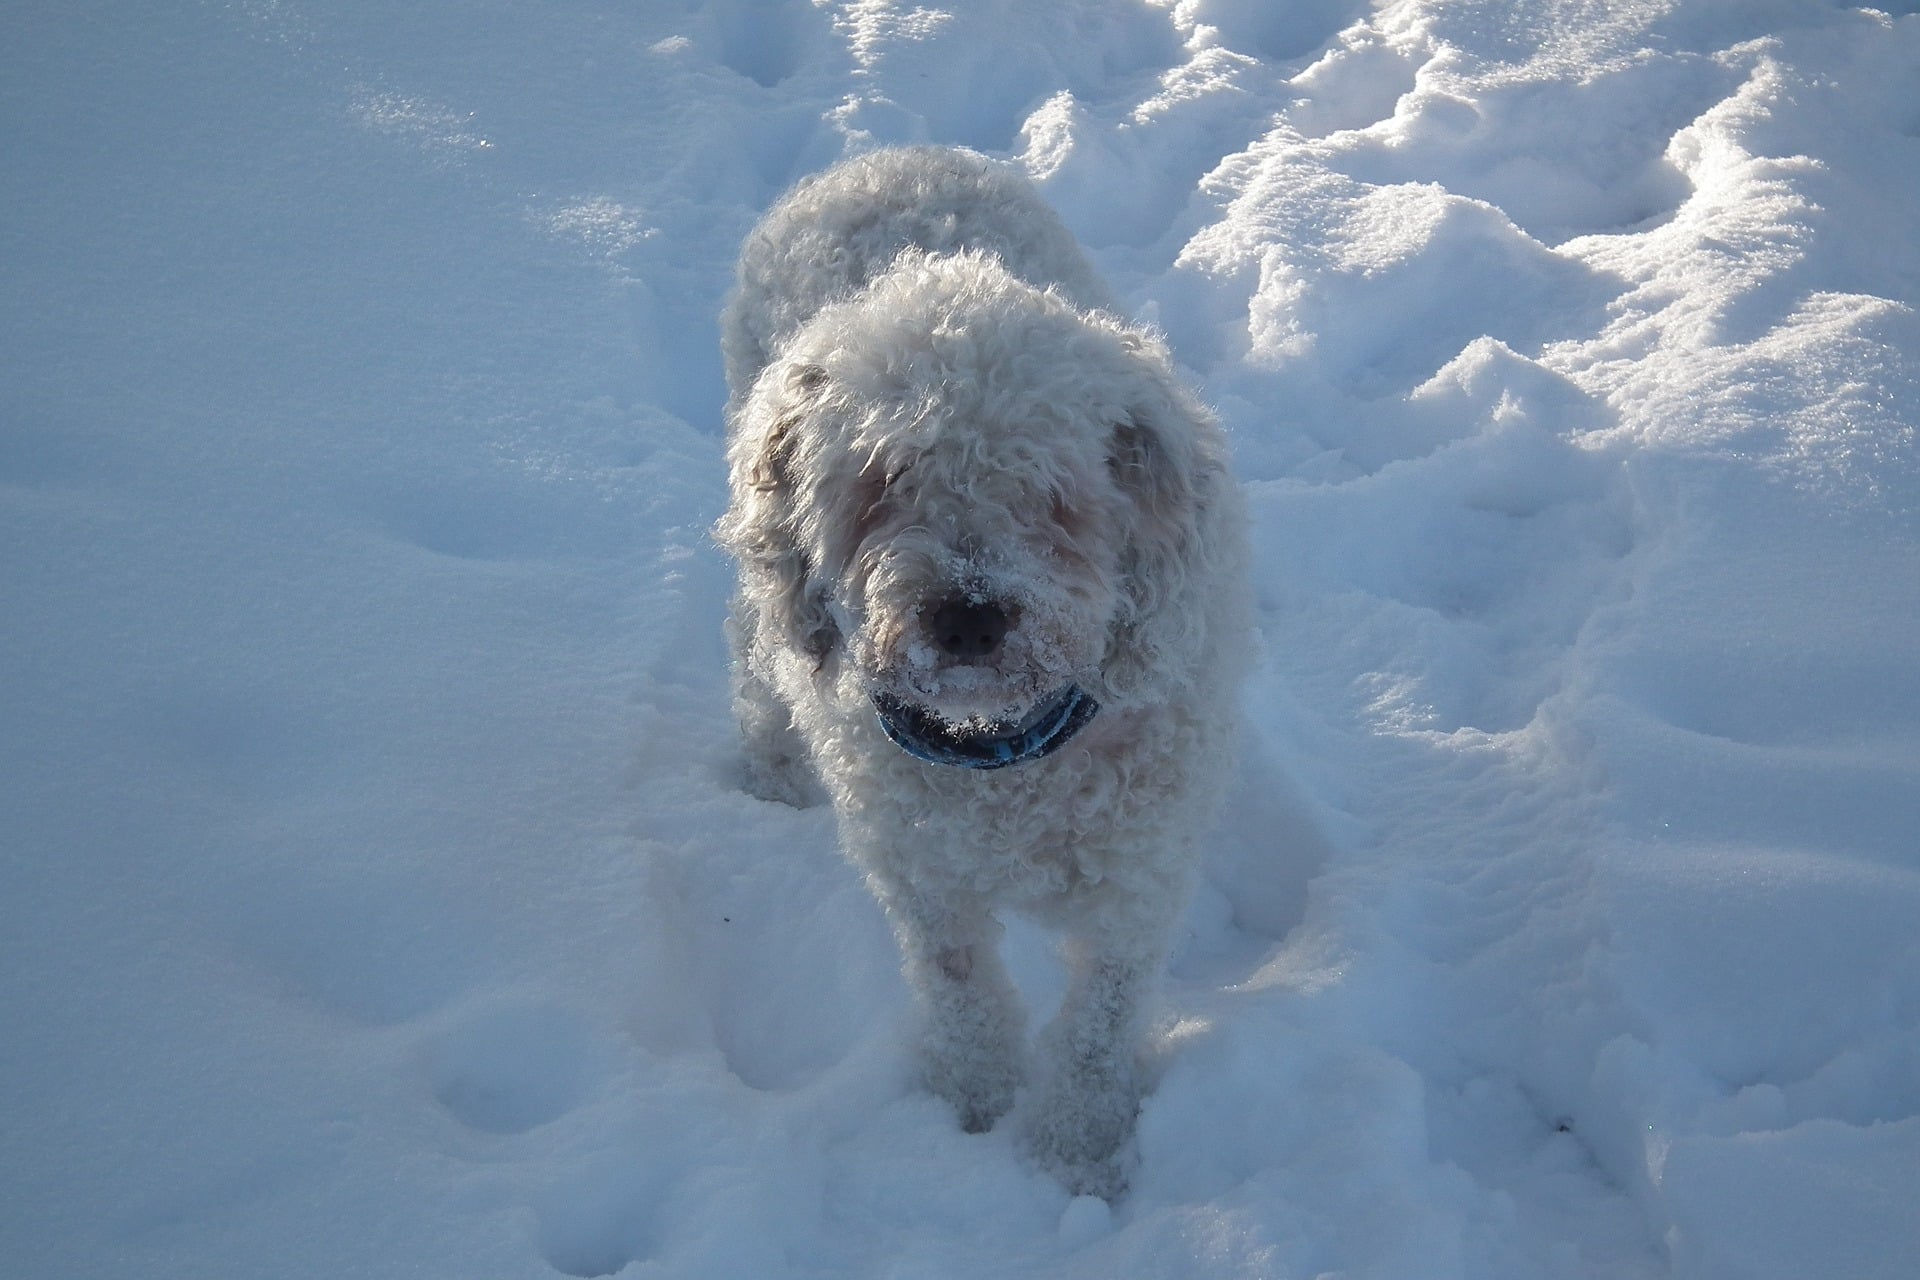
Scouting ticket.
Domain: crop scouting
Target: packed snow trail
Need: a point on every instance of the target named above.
(378, 897)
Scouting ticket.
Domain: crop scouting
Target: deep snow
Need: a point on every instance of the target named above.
(377, 897)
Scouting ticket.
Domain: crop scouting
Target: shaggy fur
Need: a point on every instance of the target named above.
(935, 413)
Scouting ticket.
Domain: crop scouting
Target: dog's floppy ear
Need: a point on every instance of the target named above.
(1167, 458)
(760, 527)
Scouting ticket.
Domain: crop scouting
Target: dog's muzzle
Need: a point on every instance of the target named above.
(925, 736)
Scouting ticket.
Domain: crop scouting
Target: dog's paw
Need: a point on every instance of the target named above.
(1081, 1166)
(978, 1115)
(974, 1062)
(1081, 1129)
(980, 1093)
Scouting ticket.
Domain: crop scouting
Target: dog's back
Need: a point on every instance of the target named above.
(834, 232)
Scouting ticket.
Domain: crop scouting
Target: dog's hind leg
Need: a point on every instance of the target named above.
(778, 766)
(972, 1024)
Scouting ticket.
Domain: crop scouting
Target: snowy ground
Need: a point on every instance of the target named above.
(376, 896)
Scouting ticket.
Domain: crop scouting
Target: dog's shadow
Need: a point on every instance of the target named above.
(1256, 865)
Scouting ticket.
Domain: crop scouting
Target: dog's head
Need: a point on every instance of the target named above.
(964, 499)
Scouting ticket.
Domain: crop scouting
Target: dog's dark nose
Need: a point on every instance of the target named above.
(965, 630)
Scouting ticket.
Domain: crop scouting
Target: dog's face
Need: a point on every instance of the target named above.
(977, 569)
(953, 491)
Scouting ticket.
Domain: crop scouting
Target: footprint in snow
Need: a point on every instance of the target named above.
(511, 1070)
(601, 1218)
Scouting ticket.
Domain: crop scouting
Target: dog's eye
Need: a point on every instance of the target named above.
(1066, 513)
(869, 502)
(884, 473)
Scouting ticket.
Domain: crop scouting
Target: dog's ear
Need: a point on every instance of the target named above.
(761, 527)
(779, 401)
(1166, 457)
(1154, 467)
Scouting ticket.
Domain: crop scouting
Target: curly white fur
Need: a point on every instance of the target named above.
(933, 405)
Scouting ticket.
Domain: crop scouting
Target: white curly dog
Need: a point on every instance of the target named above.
(992, 596)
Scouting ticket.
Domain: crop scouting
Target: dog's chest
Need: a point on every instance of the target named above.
(1029, 834)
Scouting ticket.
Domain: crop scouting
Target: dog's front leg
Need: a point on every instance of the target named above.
(971, 1023)
(1090, 1093)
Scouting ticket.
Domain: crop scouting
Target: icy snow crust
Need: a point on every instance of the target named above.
(378, 898)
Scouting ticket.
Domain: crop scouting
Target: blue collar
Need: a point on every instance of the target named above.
(925, 736)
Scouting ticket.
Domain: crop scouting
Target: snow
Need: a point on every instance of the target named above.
(378, 897)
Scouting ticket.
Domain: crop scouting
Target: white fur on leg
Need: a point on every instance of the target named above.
(972, 1025)
(1091, 1093)
(778, 767)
